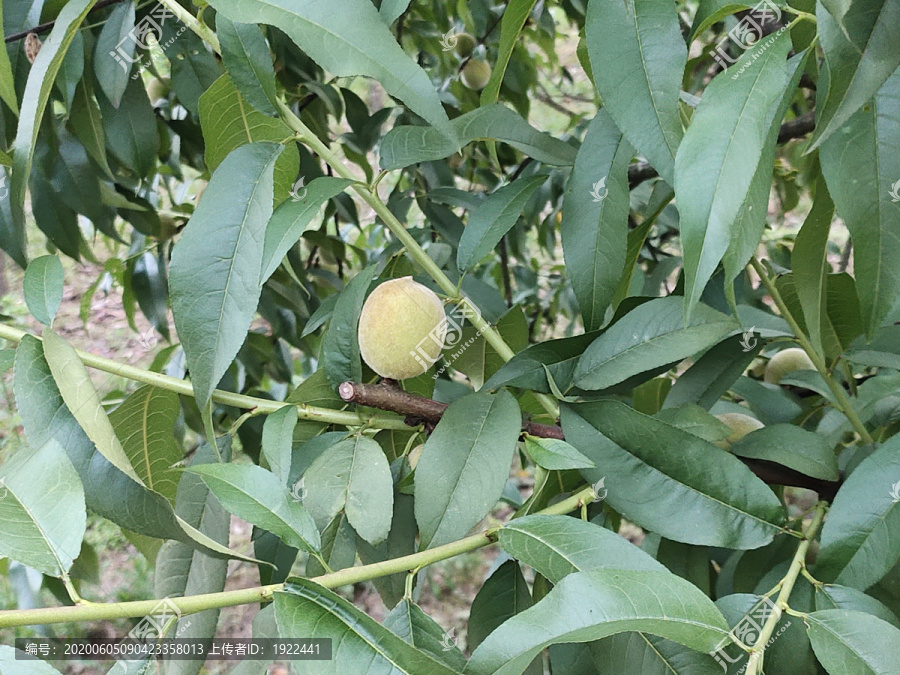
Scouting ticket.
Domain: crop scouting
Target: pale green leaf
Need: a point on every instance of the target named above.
(43, 287)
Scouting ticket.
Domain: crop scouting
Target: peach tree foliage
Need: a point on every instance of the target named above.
(644, 203)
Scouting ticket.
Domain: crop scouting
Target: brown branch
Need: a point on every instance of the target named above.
(418, 409)
(44, 27)
(795, 128)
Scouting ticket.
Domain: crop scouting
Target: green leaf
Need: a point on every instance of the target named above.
(648, 337)
(556, 546)
(641, 654)
(670, 481)
(229, 122)
(860, 55)
(353, 475)
(793, 447)
(246, 56)
(182, 570)
(710, 12)
(552, 453)
(114, 52)
(638, 57)
(861, 537)
(391, 10)
(87, 124)
(503, 595)
(12, 664)
(259, 497)
(42, 513)
(132, 136)
(810, 264)
(514, 17)
(359, 643)
(292, 217)
(594, 227)
(363, 46)
(526, 369)
(71, 70)
(43, 287)
(214, 275)
(144, 424)
(859, 165)
(34, 102)
(340, 346)
(81, 399)
(719, 156)
(464, 465)
(493, 219)
(277, 440)
(712, 375)
(408, 621)
(830, 596)
(7, 89)
(854, 643)
(591, 605)
(400, 542)
(405, 145)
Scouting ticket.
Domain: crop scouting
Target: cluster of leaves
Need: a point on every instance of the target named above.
(218, 163)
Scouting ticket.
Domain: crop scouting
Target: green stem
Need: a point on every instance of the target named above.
(370, 196)
(183, 387)
(798, 564)
(842, 400)
(198, 603)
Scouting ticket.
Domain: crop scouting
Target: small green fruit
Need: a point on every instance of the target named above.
(156, 90)
(401, 329)
(787, 361)
(465, 45)
(740, 424)
(476, 74)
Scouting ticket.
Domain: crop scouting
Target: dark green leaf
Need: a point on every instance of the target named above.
(340, 347)
(670, 481)
(214, 276)
(277, 440)
(861, 537)
(493, 219)
(359, 643)
(847, 642)
(43, 287)
(114, 52)
(859, 164)
(638, 57)
(464, 465)
(132, 136)
(650, 336)
(421, 631)
(594, 227)
(552, 453)
(719, 155)
(792, 447)
(246, 56)
(405, 145)
(591, 605)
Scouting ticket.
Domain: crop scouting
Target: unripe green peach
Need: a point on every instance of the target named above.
(476, 74)
(156, 90)
(787, 361)
(401, 329)
(740, 425)
(465, 44)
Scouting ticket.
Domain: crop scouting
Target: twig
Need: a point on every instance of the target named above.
(418, 409)
(44, 27)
